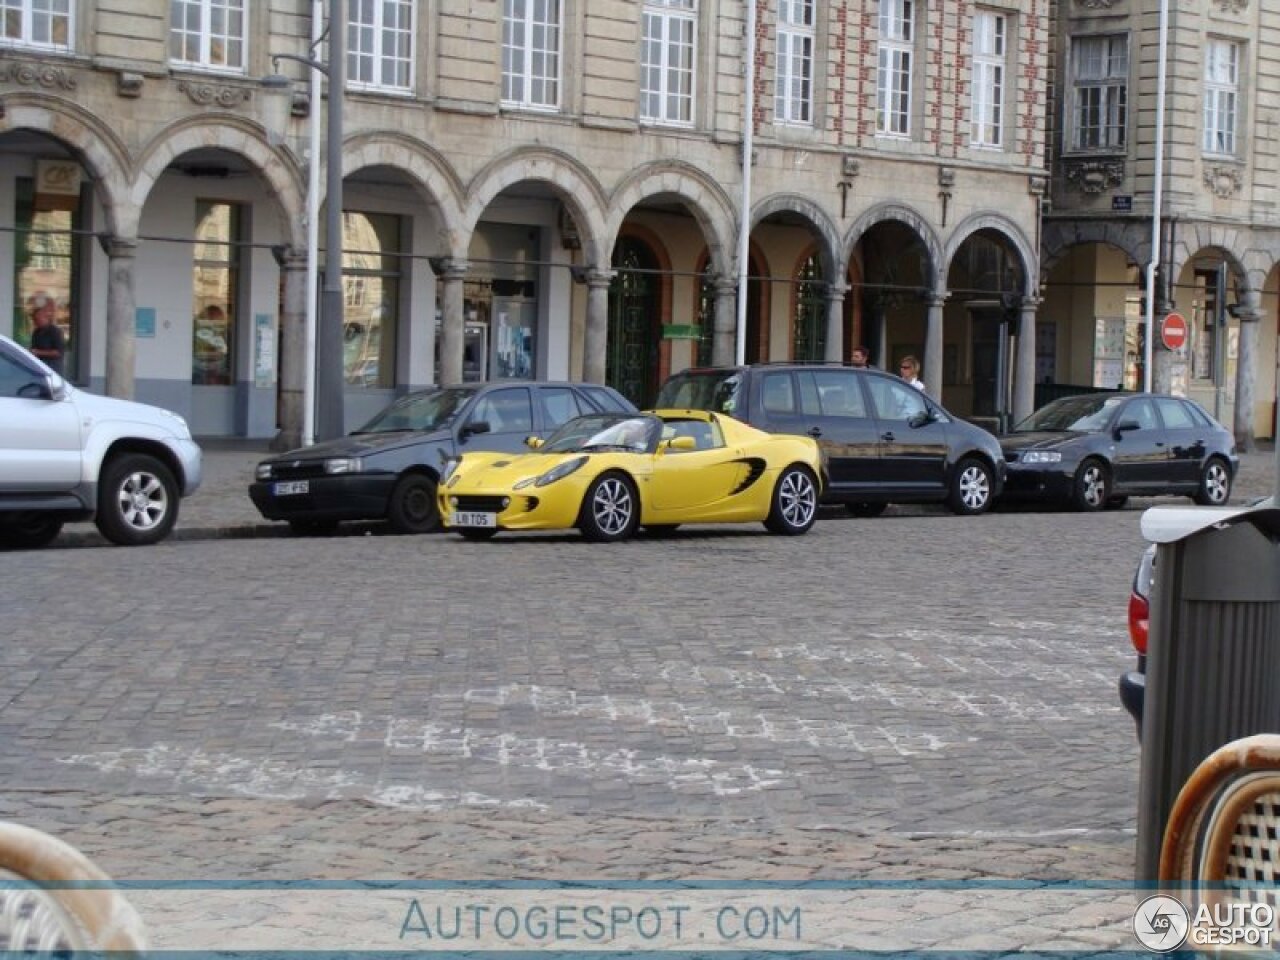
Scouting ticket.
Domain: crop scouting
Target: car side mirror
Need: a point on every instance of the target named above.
(474, 427)
(1125, 426)
(921, 419)
(681, 443)
(37, 390)
(532, 442)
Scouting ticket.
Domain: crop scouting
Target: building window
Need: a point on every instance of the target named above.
(215, 286)
(793, 97)
(46, 261)
(1221, 96)
(809, 341)
(207, 33)
(380, 44)
(531, 53)
(1100, 66)
(990, 38)
(371, 291)
(893, 74)
(668, 48)
(37, 23)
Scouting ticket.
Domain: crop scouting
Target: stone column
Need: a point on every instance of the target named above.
(1024, 367)
(452, 329)
(835, 322)
(121, 319)
(292, 362)
(1249, 313)
(933, 345)
(595, 338)
(724, 345)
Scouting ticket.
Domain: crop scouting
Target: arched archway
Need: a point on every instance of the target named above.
(639, 298)
(790, 231)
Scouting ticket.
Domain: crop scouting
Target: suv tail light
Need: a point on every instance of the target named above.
(1139, 621)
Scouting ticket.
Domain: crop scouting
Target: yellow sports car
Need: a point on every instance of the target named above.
(608, 474)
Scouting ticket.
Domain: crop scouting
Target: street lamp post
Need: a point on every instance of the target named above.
(277, 102)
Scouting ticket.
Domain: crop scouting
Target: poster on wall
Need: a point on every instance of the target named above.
(264, 350)
(1109, 352)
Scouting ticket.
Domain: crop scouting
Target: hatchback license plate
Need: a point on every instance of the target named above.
(291, 487)
(473, 520)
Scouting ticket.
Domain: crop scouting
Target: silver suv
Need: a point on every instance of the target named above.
(70, 455)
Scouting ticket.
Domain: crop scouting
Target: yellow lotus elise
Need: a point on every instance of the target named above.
(609, 474)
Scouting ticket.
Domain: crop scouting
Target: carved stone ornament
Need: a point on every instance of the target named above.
(38, 75)
(129, 85)
(851, 166)
(1225, 182)
(1095, 176)
(946, 177)
(204, 94)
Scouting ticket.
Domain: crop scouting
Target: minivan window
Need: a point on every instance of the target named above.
(778, 394)
(714, 390)
(894, 400)
(839, 394)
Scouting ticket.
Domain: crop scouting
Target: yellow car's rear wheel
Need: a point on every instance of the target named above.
(610, 510)
(795, 502)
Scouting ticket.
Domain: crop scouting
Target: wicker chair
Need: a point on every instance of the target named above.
(35, 918)
(1222, 839)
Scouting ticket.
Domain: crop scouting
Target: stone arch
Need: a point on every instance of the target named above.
(1060, 236)
(235, 135)
(828, 236)
(430, 172)
(1223, 240)
(704, 197)
(577, 187)
(1010, 231)
(908, 217)
(96, 143)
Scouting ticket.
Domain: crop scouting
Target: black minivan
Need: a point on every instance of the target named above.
(884, 441)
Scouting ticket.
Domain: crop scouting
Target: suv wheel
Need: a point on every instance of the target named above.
(137, 500)
(27, 531)
(970, 487)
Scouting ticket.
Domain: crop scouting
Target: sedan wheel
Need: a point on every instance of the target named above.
(610, 510)
(412, 508)
(970, 487)
(1215, 484)
(1093, 486)
(795, 503)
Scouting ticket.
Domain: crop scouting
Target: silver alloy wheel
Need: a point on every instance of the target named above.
(612, 506)
(143, 500)
(1216, 483)
(975, 487)
(797, 499)
(1094, 485)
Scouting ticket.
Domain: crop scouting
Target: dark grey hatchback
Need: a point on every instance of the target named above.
(388, 469)
(883, 440)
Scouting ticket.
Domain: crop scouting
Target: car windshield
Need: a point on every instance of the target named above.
(429, 410)
(714, 390)
(605, 432)
(1082, 414)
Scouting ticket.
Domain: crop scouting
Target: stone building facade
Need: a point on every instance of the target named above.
(1219, 257)
(542, 188)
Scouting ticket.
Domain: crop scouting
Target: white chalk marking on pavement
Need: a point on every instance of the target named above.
(266, 779)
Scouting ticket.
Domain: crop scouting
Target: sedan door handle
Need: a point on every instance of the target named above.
(815, 432)
(887, 437)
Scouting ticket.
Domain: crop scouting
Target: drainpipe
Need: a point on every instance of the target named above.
(748, 146)
(1157, 199)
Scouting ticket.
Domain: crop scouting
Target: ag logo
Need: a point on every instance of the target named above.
(1161, 923)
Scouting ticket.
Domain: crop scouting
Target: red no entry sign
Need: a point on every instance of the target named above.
(1173, 332)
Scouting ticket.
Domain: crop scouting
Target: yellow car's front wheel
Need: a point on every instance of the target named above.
(610, 510)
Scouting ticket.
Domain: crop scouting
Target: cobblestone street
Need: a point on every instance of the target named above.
(913, 696)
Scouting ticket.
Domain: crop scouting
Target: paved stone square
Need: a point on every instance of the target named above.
(908, 697)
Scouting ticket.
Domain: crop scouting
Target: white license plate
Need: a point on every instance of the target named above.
(290, 487)
(464, 519)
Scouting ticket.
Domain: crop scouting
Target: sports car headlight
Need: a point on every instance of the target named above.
(1042, 456)
(559, 471)
(263, 472)
(343, 465)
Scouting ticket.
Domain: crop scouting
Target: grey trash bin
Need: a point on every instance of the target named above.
(1213, 653)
